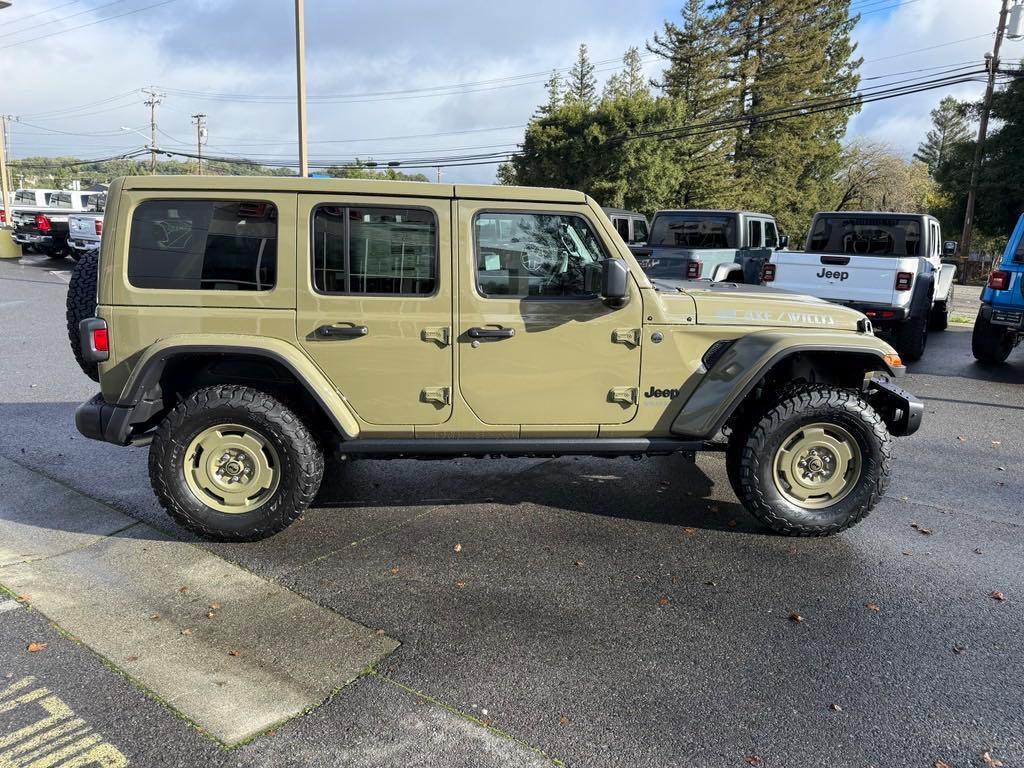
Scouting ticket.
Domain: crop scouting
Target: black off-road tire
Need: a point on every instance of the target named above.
(938, 320)
(756, 448)
(80, 304)
(301, 462)
(911, 337)
(991, 343)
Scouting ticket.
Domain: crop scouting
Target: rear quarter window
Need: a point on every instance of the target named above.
(216, 245)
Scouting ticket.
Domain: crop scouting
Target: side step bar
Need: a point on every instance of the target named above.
(427, 448)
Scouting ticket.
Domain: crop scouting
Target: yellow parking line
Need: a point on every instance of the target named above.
(56, 738)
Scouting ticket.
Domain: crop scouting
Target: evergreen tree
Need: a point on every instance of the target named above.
(582, 86)
(630, 82)
(697, 81)
(785, 52)
(554, 87)
(949, 127)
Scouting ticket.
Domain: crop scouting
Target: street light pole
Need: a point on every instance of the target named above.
(300, 73)
(986, 106)
(5, 192)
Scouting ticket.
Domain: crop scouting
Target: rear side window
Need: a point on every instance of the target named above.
(639, 231)
(60, 200)
(771, 236)
(371, 250)
(755, 234)
(217, 245)
(693, 230)
(622, 225)
(1018, 255)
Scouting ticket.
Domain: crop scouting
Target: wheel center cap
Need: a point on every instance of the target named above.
(233, 468)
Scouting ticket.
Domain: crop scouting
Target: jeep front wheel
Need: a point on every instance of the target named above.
(814, 464)
(232, 463)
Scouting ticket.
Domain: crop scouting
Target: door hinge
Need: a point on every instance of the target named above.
(440, 335)
(438, 395)
(626, 395)
(629, 336)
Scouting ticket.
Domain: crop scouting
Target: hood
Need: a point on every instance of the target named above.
(736, 304)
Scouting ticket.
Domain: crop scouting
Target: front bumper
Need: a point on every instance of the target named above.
(901, 411)
(23, 238)
(1009, 318)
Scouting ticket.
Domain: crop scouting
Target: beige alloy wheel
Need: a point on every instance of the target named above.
(817, 466)
(232, 468)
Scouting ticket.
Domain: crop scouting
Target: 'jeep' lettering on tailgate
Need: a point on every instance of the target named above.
(829, 274)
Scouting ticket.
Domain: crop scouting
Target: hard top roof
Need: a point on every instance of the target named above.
(712, 211)
(350, 186)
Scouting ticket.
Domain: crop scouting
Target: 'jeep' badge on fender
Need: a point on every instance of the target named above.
(652, 392)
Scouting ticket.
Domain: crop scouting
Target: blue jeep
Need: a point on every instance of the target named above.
(1000, 324)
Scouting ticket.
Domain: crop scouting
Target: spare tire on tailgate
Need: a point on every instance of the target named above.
(81, 304)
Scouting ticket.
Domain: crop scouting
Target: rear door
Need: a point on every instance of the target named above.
(375, 302)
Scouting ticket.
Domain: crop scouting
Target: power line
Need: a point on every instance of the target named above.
(57, 112)
(929, 48)
(90, 24)
(45, 10)
(65, 18)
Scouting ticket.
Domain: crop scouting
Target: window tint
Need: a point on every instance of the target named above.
(863, 236)
(94, 203)
(60, 200)
(688, 230)
(1018, 255)
(374, 250)
(755, 234)
(534, 254)
(203, 244)
(25, 196)
(771, 237)
(639, 231)
(622, 225)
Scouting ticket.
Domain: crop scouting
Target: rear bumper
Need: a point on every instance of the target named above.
(880, 314)
(901, 411)
(23, 238)
(84, 245)
(1010, 317)
(99, 420)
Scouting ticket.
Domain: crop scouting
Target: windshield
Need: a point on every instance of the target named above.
(863, 236)
(693, 230)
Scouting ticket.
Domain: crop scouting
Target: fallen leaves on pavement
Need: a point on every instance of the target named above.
(836, 708)
(663, 601)
(394, 570)
(997, 595)
(941, 764)
(458, 547)
(755, 760)
(37, 647)
(986, 756)
(795, 617)
(873, 606)
(958, 649)
(922, 529)
(234, 653)
(460, 585)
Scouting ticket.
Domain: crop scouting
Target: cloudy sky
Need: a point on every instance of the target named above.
(386, 79)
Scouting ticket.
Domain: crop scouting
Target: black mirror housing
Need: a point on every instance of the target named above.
(949, 248)
(783, 241)
(614, 281)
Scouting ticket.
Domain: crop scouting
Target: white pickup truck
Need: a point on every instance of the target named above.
(887, 265)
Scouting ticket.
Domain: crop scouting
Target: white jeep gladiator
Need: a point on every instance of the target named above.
(887, 265)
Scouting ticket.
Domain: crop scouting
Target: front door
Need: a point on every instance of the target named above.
(535, 346)
(375, 303)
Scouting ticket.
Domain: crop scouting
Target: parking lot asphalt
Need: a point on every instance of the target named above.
(599, 612)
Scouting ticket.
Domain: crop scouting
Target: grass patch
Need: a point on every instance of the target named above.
(961, 319)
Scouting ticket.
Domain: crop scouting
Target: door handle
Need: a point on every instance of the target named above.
(341, 331)
(491, 333)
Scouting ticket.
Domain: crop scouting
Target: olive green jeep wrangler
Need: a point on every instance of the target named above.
(248, 327)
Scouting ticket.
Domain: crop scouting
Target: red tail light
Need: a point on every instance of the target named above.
(43, 223)
(99, 227)
(768, 273)
(904, 280)
(3, 216)
(999, 280)
(693, 270)
(100, 340)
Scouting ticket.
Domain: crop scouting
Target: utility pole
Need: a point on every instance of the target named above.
(972, 191)
(5, 190)
(300, 74)
(152, 102)
(200, 120)
(438, 174)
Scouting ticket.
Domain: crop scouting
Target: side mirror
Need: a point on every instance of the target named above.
(783, 241)
(609, 280)
(949, 248)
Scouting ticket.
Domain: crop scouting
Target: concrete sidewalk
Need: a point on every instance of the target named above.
(231, 652)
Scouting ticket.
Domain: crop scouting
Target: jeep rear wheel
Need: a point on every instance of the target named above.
(991, 343)
(939, 319)
(232, 463)
(814, 464)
